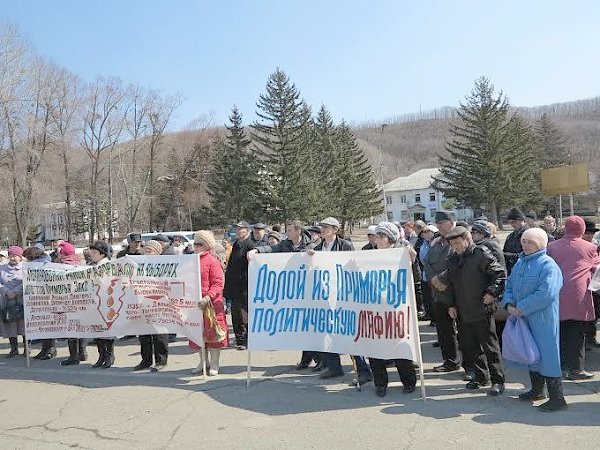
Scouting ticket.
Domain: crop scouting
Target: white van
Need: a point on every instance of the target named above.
(187, 237)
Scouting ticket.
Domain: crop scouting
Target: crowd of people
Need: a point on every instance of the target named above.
(466, 285)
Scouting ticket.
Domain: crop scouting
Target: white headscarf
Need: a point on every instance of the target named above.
(537, 235)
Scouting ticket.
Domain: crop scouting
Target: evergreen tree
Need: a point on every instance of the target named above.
(485, 165)
(551, 144)
(356, 195)
(280, 142)
(234, 188)
(325, 163)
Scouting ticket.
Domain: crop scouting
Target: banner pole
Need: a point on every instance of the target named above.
(27, 351)
(248, 369)
(204, 355)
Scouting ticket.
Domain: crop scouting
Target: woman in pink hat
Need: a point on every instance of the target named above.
(11, 300)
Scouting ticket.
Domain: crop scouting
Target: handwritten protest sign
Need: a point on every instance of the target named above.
(357, 303)
(127, 296)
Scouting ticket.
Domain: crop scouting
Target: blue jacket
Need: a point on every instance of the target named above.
(533, 287)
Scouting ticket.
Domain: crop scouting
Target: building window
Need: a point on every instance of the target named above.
(417, 198)
(432, 196)
(390, 215)
(388, 199)
(403, 199)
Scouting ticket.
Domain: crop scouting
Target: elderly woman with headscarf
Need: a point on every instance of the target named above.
(387, 235)
(212, 282)
(578, 260)
(12, 322)
(532, 292)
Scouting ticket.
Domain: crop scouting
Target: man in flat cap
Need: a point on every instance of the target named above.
(259, 236)
(476, 279)
(236, 283)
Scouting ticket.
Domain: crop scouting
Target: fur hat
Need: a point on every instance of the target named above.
(102, 247)
(205, 237)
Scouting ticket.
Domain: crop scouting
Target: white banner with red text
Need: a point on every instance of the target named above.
(133, 295)
(356, 303)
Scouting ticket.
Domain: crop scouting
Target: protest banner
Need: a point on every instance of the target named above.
(128, 296)
(355, 303)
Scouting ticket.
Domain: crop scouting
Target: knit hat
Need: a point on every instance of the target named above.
(66, 248)
(205, 237)
(462, 223)
(531, 215)
(389, 230)
(314, 229)
(515, 214)
(371, 229)
(153, 247)
(276, 235)
(102, 247)
(574, 226)
(15, 250)
(482, 227)
(539, 236)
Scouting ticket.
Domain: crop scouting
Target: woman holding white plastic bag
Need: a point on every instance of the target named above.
(212, 279)
(532, 291)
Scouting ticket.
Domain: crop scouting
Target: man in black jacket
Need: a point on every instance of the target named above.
(298, 240)
(259, 236)
(477, 280)
(512, 246)
(134, 245)
(236, 283)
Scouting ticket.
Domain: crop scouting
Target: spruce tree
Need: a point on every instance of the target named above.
(325, 163)
(357, 195)
(234, 188)
(483, 165)
(551, 144)
(280, 142)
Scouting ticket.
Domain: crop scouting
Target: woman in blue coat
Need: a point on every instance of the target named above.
(532, 291)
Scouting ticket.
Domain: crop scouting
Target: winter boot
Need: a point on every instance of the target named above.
(537, 388)
(215, 354)
(14, 347)
(557, 400)
(109, 358)
(73, 354)
(200, 367)
(48, 350)
(101, 353)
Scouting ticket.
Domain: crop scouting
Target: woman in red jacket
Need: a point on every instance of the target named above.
(212, 282)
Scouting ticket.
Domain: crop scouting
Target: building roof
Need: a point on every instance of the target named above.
(421, 179)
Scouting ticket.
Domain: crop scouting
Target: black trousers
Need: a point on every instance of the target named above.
(310, 356)
(419, 297)
(156, 345)
(482, 350)
(239, 319)
(405, 367)
(427, 299)
(446, 333)
(572, 344)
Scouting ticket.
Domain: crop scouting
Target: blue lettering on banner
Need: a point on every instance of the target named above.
(313, 320)
(369, 287)
(274, 286)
